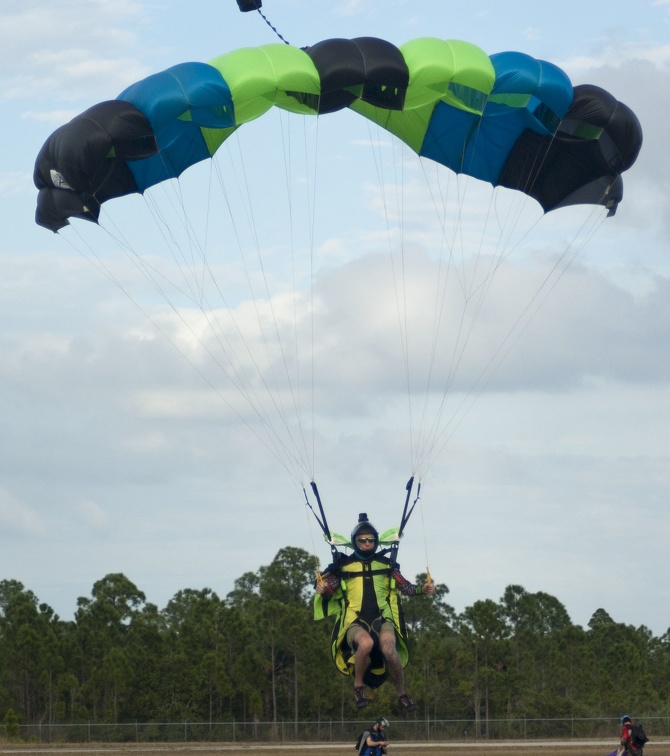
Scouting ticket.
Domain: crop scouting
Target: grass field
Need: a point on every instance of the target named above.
(496, 748)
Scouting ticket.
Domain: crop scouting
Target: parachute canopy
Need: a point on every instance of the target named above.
(507, 119)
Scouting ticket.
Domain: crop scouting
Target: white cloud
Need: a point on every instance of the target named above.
(351, 7)
(13, 182)
(92, 515)
(55, 117)
(17, 518)
(40, 56)
(619, 57)
(531, 33)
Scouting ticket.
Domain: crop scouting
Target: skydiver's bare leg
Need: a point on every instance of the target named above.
(363, 643)
(395, 670)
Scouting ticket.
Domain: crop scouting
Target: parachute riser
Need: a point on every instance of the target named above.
(321, 517)
(406, 514)
(392, 550)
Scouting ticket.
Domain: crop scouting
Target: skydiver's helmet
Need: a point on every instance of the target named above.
(625, 718)
(382, 722)
(364, 526)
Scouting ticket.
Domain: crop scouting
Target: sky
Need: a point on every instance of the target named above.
(122, 453)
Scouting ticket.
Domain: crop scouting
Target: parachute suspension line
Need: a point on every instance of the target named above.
(420, 436)
(284, 449)
(504, 247)
(311, 219)
(462, 334)
(572, 250)
(423, 430)
(273, 440)
(218, 331)
(298, 393)
(184, 264)
(474, 287)
(261, 264)
(399, 279)
(195, 285)
(536, 164)
(402, 301)
(275, 396)
(256, 401)
(441, 283)
(301, 345)
(447, 268)
(505, 230)
(195, 248)
(300, 457)
(208, 215)
(286, 144)
(570, 253)
(268, 440)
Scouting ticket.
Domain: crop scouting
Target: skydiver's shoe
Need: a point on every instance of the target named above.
(406, 703)
(360, 699)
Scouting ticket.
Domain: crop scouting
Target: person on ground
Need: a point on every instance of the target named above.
(376, 742)
(628, 745)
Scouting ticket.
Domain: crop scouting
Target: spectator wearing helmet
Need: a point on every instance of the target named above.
(362, 590)
(376, 744)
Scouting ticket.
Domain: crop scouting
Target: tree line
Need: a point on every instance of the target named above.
(257, 655)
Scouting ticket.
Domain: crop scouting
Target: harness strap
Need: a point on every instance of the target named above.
(386, 571)
(373, 627)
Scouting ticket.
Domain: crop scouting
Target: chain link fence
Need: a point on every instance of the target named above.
(332, 731)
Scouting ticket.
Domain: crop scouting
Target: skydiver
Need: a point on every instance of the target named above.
(370, 631)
